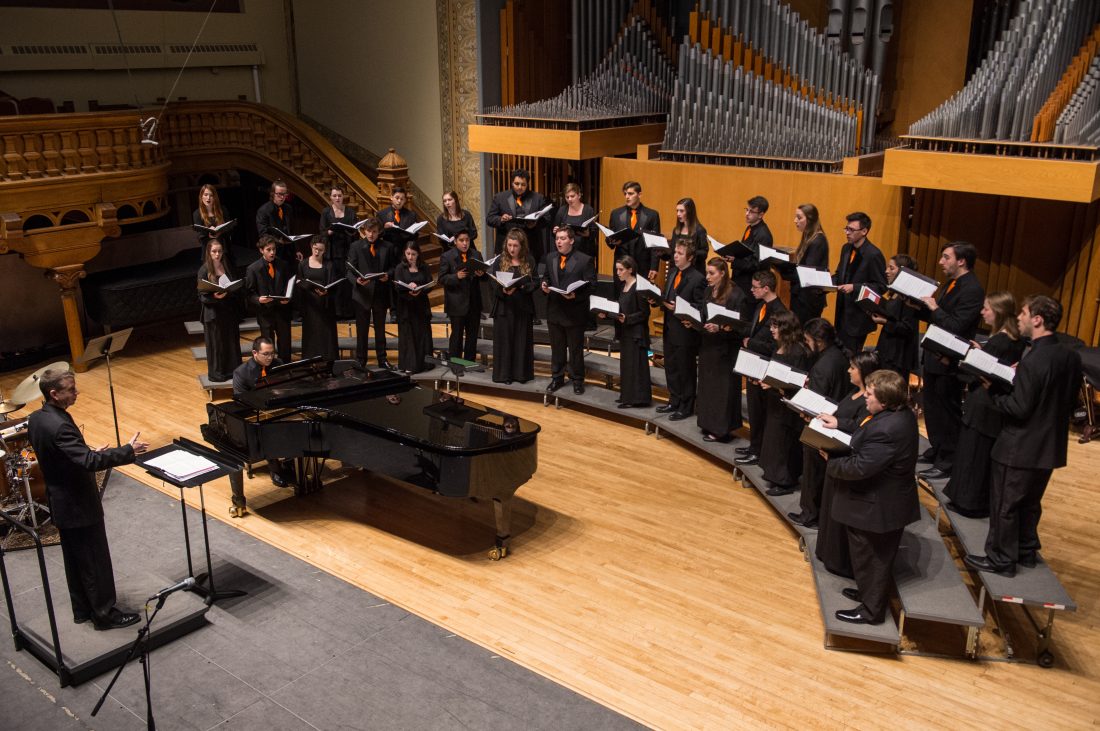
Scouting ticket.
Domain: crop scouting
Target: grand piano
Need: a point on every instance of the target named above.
(310, 411)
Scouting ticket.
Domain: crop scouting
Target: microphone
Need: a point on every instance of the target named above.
(187, 583)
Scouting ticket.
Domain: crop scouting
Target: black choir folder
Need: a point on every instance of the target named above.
(615, 238)
(816, 435)
(870, 302)
(980, 363)
(407, 234)
(213, 231)
(735, 249)
(206, 285)
(941, 342)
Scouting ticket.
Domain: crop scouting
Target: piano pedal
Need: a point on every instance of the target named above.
(498, 552)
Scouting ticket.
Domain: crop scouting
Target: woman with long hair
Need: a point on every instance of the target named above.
(812, 252)
(688, 228)
(718, 409)
(452, 219)
(513, 312)
(968, 487)
(315, 303)
(209, 214)
(413, 310)
(221, 315)
(898, 344)
(781, 450)
(573, 213)
(635, 386)
(832, 536)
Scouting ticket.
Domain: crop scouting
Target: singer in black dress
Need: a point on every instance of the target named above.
(969, 485)
(718, 408)
(832, 536)
(898, 340)
(513, 312)
(221, 316)
(688, 228)
(339, 241)
(812, 252)
(414, 311)
(573, 213)
(209, 214)
(781, 451)
(828, 377)
(453, 219)
(635, 385)
(316, 303)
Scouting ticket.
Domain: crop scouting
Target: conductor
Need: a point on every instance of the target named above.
(68, 466)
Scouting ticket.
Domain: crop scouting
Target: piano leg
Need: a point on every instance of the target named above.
(502, 509)
(307, 471)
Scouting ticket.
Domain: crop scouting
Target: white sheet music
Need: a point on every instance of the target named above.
(913, 286)
(655, 241)
(179, 464)
(810, 277)
(602, 304)
(986, 363)
(644, 286)
(836, 434)
(947, 340)
(685, 309)
(784, 374)
(750, 364)
(716, 310)
(813, 402)
(767, 252)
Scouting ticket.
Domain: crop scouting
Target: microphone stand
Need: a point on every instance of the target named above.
(141, 642)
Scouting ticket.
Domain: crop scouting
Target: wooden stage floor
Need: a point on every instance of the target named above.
(641, 576)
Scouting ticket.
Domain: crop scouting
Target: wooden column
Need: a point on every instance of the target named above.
(393, 172)
(67, 278)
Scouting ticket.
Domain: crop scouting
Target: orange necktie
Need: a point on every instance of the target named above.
(519, 202)
(760, 317)
(745, 236)
(280, 210)
(865, 420)
(263, 372)
(633, 217)
(676, 282)
(373, 251)
(950, 286)
(271, 270)
(852, 256)
(463, 258)
(397, 215)
(562, 265)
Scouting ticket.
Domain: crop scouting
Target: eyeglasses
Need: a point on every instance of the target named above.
(269, 354)
(754, 211)
(849, 229)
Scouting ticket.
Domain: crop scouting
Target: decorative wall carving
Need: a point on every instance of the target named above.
(458, 74)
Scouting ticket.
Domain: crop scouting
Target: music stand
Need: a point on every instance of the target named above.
(105, 347)
(226, 465)
(458, 366)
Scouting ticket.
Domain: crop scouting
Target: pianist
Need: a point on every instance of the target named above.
(244, 379)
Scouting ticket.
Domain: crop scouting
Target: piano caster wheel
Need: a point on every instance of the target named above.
(1046, 659)
(498, 552)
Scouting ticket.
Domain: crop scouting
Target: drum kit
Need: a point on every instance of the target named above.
(22, 487)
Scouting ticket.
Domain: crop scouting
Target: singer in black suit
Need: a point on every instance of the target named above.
(957, 308)
(396, 218)
(638, 219)
(567, 314)
(371, 298)
(461, 296)
(68, 468)
(861, 265)
(876, 495)
(761, 342)
(265, 283)
(681, 341)
(1033, 439)
(273, 218)
(509, 206)
(756, 234)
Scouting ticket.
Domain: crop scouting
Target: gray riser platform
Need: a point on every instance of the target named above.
(829, 587)
(928, 580)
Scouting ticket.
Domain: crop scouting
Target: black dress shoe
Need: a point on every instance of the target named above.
(982, 563)
(1028, 562)
(387, 365)
(678, 416)
(743, 450)
(851, 593)
(802, 520)
(934, 473)
(779, 490)
(117, 620)
(625, 406)
(578, 387)
(81, 619)
(746, 459)
(278, 480)
(619, 400)
(857, 615)
(664, 408)
(554, 385)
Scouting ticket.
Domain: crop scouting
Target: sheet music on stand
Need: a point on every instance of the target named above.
(181, 465)
(184, 463)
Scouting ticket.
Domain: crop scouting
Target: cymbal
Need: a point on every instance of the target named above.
(27, 391)
(6, 407)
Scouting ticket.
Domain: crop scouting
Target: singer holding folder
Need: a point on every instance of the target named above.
(69, 467)
(221, 315)
(567, 314)
(317, 304)
(371, 298)
(513, 312)
(719, 410)
(266, 281)
(635, 385)
(462, 296)
(681, 342)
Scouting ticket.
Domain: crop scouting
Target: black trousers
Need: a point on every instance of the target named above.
(942, 394)
(88, 571)
(873, 568)
(566, 345)
(812, 484)
(363, 320)
(1015, 507)
(681, 366)
(463, 340)
(275, 324)
(757, 403)
(852, 343)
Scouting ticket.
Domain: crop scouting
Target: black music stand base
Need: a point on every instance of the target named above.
(204, 583)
